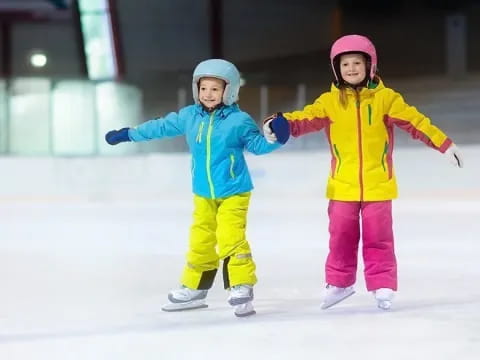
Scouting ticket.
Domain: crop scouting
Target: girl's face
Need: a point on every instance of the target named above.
(353, 68)
(210, 91)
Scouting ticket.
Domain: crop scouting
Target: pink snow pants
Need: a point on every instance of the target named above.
(377, 244)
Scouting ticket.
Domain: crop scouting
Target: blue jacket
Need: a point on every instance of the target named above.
(217, 141)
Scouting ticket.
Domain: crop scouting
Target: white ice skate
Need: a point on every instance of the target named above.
(334, 295)
(244, 310)
(240, 298)
(185, 299)
(384, 297)
(240, 294)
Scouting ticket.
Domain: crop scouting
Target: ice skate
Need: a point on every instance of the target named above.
(240, 294)
(334, 295)
(240, 298)
(384, 297)
(244, 310)
(186, 299)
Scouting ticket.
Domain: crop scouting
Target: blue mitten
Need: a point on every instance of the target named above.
(281, 128)
(115, 137)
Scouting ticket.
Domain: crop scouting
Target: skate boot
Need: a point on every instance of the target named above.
(240, 298)
(185, 298)
(334, 295)
(384, 297)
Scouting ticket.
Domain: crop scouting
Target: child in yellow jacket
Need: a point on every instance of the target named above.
(359, 114)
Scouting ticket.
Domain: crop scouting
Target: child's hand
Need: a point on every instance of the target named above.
(276, 129)
(115, 137)
(454, 156)
(268, 132)
(280, 128)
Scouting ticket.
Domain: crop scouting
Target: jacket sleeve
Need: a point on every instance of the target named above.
(254, 141)
(312, 118)
(416, 124)
(173, 124)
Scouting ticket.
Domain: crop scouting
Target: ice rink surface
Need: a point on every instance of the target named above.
(84, 277)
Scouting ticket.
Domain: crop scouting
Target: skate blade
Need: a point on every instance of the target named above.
(246, 314)
(330, 304)
(244, 310)
(240, 301)
(191, 305)
(384, 304)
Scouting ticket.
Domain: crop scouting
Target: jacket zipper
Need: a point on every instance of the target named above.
(209, 150)
(360, 155)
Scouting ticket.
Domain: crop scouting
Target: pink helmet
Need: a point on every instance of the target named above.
(354, 43)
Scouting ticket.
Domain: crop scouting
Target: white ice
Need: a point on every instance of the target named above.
(85, 265)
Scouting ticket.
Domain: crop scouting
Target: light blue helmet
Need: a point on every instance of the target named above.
(220, 69)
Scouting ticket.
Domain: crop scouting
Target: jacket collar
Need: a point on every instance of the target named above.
(221, 112)
(364, 91)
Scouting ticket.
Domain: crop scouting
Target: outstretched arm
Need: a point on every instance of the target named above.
(312, 118)
(420, 127)
(255, 142)
(171, 125)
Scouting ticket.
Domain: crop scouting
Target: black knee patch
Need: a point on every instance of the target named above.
(206, 280)
(226, 278)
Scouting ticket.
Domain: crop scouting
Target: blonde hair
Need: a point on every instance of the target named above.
(343, 97)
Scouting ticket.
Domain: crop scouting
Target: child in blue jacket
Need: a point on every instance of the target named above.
(217, 133)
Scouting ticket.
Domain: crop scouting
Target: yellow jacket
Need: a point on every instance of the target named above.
(361, 138)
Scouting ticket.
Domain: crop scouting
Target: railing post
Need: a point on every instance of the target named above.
(456, 45)
(181, 98)
(263, 102)
(301, 95)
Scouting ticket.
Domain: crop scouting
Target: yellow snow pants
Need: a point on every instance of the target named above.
(218, 233)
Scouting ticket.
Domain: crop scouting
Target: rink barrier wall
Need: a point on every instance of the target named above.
(420, 172)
